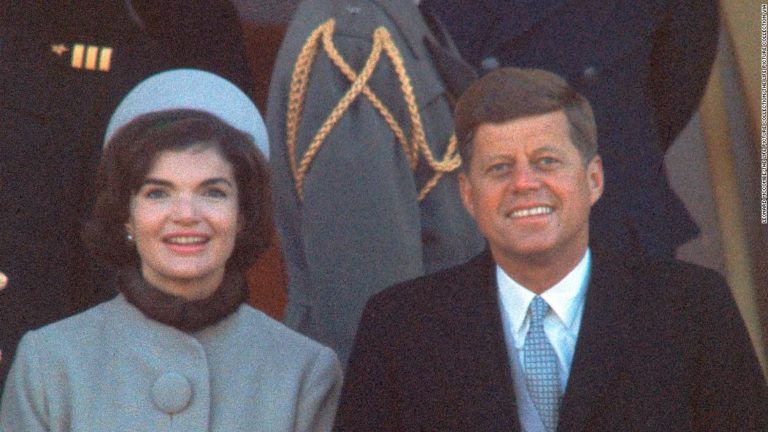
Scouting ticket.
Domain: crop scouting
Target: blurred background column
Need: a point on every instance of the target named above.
(717, 170)
(264, 23)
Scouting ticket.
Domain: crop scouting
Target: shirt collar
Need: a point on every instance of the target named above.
(566, 298)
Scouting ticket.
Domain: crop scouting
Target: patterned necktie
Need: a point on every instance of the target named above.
(540, 363)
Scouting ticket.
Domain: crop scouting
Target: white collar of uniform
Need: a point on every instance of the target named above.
(566, 298)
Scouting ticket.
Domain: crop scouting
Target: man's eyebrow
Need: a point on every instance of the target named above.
(547, 149)
(504, 156)
(497, 156)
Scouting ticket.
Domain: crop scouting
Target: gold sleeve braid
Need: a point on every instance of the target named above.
(382, 41)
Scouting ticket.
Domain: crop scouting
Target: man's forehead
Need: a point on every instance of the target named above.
(557, 116)
(545, 130)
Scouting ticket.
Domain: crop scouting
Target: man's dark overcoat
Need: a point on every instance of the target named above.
(662, 347)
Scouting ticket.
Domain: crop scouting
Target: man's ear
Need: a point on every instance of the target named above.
(465, 190)
(595, 178)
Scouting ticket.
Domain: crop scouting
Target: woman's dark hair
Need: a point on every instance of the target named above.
(511, 93)
(129, 156)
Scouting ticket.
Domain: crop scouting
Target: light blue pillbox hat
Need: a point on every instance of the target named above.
(192, 89)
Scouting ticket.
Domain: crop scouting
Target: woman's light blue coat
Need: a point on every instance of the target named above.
(113, 369)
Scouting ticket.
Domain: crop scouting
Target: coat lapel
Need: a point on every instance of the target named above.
(518, 16)
(456, 73)
(479, 324)
(407, 18)
(599, 349)
(423, 44)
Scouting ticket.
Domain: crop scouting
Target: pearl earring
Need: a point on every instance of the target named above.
(129, 237)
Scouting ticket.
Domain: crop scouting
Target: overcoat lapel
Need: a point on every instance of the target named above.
(439, 49)
(478, 317)
(600, 344)
(405, 22)
(518, 17)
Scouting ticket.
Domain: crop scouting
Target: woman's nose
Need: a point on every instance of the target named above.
(185, 209)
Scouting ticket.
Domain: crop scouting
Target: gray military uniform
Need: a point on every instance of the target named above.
(360, 226)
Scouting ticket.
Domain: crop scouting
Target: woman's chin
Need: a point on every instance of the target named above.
(188, 282)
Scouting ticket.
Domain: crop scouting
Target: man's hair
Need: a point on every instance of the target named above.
(512, 93)
(129, 156)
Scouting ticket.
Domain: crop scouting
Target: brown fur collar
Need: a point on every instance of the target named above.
(185, 315)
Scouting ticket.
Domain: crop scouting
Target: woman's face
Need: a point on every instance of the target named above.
(184, 220)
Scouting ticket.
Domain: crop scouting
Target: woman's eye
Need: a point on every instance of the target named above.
(155, 194)
(216, 193)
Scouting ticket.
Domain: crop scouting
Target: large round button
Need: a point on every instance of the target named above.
(490, 63)
(171, 393)
(589, 75)
(3, 281)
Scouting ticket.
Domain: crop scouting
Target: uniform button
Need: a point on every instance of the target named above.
(589, 74)
(490, 63)
(171, 393)
(3, 281)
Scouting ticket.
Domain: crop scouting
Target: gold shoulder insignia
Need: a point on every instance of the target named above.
(415, 148)
(59, 49)
(91, 57)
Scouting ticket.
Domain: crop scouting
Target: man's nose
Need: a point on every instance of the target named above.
(525, 177)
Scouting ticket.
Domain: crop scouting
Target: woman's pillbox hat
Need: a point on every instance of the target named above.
(192, 89)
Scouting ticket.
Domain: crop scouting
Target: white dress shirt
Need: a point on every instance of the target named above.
(566, 300)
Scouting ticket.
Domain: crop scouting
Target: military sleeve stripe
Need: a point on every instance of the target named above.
(91, 54)
(77, 56)
(105, 59)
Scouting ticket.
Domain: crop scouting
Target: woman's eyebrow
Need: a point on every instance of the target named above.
(156, 182)
(208, 182)
(217, 180)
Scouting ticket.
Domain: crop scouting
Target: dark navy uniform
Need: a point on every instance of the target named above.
(642, 65)
(65, 66)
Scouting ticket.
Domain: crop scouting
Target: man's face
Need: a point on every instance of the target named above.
(529, 190)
